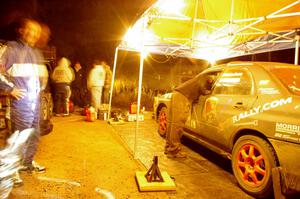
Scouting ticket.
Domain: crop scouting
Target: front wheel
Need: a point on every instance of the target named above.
(162, 122)
(252, 161)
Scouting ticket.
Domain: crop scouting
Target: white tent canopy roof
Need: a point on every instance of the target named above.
(215, 29)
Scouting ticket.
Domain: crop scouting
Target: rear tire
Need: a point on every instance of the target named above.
(51, 107)
(162, 122)
(44, 107)
(252, 162)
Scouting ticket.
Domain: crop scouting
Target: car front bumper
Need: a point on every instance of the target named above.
(289, 159)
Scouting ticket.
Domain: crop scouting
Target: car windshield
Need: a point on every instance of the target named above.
(290, 77)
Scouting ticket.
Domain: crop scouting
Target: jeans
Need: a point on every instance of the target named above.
(179, 110)
(96, 94)
(61, 98)
(17, 123)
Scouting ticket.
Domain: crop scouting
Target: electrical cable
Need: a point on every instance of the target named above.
(158, 61)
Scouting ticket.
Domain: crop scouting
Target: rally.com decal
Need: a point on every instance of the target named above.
(259, 109)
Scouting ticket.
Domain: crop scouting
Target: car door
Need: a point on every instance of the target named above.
(232, 94)
(193, 122)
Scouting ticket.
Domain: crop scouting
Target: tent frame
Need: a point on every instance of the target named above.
(174, 48)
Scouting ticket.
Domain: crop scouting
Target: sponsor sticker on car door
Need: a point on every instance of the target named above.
(210, 112)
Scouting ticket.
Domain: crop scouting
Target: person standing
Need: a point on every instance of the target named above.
(62, 77)
(107, 83)
(181, 101)
(22, 62)
(95, 83)
(79, 86)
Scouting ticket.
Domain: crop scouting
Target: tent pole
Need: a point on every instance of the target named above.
(231, 11)
(142, 56)
(231, 17)
(194, 23)
(112, 81)
(297, 47)
(270, 16)
(139, 101)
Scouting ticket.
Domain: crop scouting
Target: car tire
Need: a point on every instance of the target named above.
(252, 161)
(162, 122)
(51, 105)
(44, 108)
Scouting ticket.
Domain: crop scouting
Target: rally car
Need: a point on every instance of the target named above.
(251, 116)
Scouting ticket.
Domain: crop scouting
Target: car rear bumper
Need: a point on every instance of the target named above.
(289, 156)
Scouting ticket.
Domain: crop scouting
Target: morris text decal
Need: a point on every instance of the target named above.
(288, 128)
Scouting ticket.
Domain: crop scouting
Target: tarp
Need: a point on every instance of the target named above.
(214, 29)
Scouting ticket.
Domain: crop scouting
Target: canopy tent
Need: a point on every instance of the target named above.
(212, 30)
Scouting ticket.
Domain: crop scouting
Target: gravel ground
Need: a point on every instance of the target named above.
(98, 160)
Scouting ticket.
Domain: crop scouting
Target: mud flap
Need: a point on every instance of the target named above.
(284, 183)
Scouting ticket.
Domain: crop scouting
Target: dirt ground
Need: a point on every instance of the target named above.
(83, 160)
(95, 160)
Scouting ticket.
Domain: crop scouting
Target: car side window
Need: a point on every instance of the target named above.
(214, 75)
(234, 82)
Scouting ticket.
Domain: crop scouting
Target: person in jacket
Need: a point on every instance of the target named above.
(95, 83)
(107, 82)
(62, 77)
(79, 94)
(181, 100)
(22, 63)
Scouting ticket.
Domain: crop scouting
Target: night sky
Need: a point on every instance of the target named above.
(85, 30)
(81, 30)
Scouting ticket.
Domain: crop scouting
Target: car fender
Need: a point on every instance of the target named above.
(245, 130)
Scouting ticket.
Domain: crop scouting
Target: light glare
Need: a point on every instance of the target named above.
(139, 36)
(171, 6)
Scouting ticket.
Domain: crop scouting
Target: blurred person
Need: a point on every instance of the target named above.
(22, 62)
(46, 126)
(41, 44)
(107, 82)
(44, 36)
(95, 83)
(62, 77)
(79, 94)
(181, 101)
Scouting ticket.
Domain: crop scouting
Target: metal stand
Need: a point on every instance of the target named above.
(153, 174)
(154, 180)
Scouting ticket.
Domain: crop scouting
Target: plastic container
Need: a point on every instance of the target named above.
(91, 114)
(133, 108)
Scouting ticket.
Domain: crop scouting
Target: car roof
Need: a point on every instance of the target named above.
(266, 65)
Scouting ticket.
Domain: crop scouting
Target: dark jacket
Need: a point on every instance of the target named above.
(193, 88)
